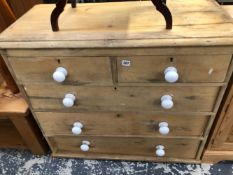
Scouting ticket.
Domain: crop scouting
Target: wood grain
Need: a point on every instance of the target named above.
(17, 127)
(104, 98)
(122, 50)
(14, 105)
(201, 40)
(217, 141)
(30, 133)
(7, 77)
(63, 154)
(216, 156)
(3, 24)
(150, 69)
(196, 21)
(87, 69)
(225, 120)
(175, 148)
(6, 12)
(229, 9)
(121, 124)
(225, 146)
(19, 7)
(230, 137)
(81, 70)
(9, 137)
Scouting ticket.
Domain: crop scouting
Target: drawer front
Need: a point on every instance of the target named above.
(80, 69)
(174, 148)
(230, 137)
(89, 98)
(107, 124)
(150, 69)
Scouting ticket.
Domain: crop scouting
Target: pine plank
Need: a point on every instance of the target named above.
(216, 156)
(87, 69)
(145, 147)
(140, 50)
(9, 137)
(194, 99)
(229, 9)
(13, 105)
(193, 20)
(150, 69)
(81, 70)
(122, 124)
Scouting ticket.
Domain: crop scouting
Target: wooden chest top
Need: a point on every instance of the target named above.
(122, 24)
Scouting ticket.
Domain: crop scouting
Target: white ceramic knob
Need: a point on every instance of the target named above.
(85, 146)
(60, 74)
(163, 128)
(68, 100)
(171, 75)
(77, 128)
(160, 152)
(166, 101)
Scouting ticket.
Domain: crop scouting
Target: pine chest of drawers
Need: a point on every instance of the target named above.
(113, 83)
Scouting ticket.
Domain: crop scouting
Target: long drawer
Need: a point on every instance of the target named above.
(93, 98)
(122, 124)
(80, 69)
(124, 146)
(191, 68)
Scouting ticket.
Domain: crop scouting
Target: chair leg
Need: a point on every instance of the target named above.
(56, 13)
(164, 10)
(73, 3)
(159, 4)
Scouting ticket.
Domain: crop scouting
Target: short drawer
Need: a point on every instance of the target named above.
(150, 69)
(121, 124)
(80, 69)
(93, 98)
(124, 146)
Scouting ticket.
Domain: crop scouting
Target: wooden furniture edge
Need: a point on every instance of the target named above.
(12, 102)
(114, 44)
(220, 115)
(123, 157)
(117, 52)
(216, 107)
(30, 133)
(133, 136)
(23, 121)
(9, 136)
(7, 77)
(216, 156)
